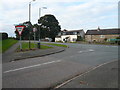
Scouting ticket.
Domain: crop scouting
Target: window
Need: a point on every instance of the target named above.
(64, 33)
(74, 33)
(102, 36)
(59, 34)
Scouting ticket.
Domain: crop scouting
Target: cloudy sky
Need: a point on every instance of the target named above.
(71, 14)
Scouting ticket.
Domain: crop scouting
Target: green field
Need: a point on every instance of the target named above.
(6, 44)
(59, 45)
(25, 46)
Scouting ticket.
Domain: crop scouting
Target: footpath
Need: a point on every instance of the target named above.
(105, 76)
(11, 54)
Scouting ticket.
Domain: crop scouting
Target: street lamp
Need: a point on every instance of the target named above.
(40, 24)
(30, 10)
(30, 20)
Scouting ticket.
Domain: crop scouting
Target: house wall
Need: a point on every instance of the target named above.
(58, 39)
(71, 37)
(99, 38)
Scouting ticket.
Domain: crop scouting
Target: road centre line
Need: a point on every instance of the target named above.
(31, 66)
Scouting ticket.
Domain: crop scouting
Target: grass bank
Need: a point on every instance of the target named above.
(6, 44)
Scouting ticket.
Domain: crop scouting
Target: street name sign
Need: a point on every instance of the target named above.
(34, 29)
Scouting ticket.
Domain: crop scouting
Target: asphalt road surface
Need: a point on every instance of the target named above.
(104, 76)
(48, 71)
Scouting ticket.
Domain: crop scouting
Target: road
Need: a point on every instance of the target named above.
(48, 71)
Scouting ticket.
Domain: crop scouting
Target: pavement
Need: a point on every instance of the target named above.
(104, 76)
(12, 55)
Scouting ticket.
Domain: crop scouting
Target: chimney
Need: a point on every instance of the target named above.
(64, 30)
(98, 28)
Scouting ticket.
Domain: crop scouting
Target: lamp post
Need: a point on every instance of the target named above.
(30, 21)
(30, 10)
(40, 24)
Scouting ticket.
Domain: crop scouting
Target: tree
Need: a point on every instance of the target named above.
(49, 26)
(40, 31)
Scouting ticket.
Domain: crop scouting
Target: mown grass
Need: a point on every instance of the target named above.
(6, 44)
(25, 46)
(59, 45)
(45, 47)
(0, 46)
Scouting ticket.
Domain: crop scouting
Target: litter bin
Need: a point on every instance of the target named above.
(38, 45)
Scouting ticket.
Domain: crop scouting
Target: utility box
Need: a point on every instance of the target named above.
(38, 45)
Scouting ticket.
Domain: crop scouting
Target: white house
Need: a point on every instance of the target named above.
(69, 36)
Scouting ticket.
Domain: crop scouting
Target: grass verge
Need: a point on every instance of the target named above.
(0, 46)
(6, 44)
(59, 45)
(25, 46)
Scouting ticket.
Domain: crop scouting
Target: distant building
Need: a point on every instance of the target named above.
(100, 35)
(70, 36)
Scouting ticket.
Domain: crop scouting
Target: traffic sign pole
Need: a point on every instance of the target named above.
(20, 28)
(34, 30)
(34, 40)
(20, 43)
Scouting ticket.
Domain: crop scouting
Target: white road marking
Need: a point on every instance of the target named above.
(32, 66)
(90, 50)
(80, 51)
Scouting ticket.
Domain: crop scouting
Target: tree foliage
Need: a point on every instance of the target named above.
(49, 26)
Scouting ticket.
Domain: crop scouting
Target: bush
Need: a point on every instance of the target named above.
(105, 39)
(3, 36)
(11, 38)
(117, 37)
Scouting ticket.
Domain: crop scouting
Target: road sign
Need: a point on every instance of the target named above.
(34, 29)
(19, 29)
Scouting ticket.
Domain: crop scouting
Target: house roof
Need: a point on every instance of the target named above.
(103, 31)
(73, 30)
(58, 36)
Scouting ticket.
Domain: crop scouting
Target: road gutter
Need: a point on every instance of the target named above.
(81, 74)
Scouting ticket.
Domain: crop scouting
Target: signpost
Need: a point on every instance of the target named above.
(28, 26)
(19, 29)
(34, 30)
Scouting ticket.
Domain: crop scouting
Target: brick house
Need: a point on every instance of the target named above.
(101, 35)
(70, 36)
